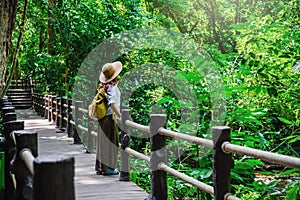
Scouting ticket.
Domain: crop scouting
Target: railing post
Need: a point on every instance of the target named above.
(8, 109)
(3, 100)
(38, 107)
(64, 114)
(159, 188)
(90, 139)
(70, 117)
(53, 109)
(57, 119)
(33, 101)
(9, 117)
(6, 103)
(24, 140)
(125, 140)
(53, 178)
(46, 105)
(49, 108)
(78, 121)
(222, 162)
(9, 127)
(41, 104)
(30, 84)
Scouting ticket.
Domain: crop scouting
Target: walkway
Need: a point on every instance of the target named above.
(88, 185)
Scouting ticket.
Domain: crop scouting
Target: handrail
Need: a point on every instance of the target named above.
(202, 186)
(83, 128)
(137, 154)
(83, 110)
(28, 158)
(185, 137)
(94, 134)
(260, 154)
(137, 126)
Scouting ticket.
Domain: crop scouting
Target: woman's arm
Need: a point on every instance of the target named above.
(115, 109)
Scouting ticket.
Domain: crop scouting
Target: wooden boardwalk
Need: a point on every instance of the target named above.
(88, 185)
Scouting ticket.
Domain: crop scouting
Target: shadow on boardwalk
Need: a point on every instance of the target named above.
(88, 185)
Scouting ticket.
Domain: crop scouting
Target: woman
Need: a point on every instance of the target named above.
(108, 142)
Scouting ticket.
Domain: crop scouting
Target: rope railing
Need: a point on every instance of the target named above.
(202, 186)
(186, 137)
(137, 126)
(137, 154)
(220, 148)
(293, 162)
(220, 143)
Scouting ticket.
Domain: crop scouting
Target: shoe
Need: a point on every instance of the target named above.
(111, 172)
(99, 172)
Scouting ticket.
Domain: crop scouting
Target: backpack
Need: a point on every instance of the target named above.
(98, 107)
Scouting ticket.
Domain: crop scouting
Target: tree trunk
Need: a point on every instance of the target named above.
(14, 60)
(50, 28)
(8, 10)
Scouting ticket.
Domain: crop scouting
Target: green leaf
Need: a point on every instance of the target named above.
(291, 171)
(285, 121)
(253, 162)
(236, 176)
(263, 141)
(293, 193)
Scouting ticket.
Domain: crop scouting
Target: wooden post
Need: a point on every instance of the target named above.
(7, 104)
(42, 101)
(9, 109)
(9, 117)
(53, 109)
(78, 121)
(53, 178)
(159, 188)
(24, 140)
(33, 101)
(70, 117)
(125, 140)
(2, 101)
(46, 98)
(36, 107)
(90, 139)
(57, 119)
(222, 162)
(9, 127)
(49, 108)
(41, 104)
(63, 111)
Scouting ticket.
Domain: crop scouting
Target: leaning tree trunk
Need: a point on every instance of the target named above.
(14, 58)
(8, 10)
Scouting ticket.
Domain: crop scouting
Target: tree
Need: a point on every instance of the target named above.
(8, 11)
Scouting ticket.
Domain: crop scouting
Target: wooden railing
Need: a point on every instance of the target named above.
(60, 111)
(27, 175)
(26, 83)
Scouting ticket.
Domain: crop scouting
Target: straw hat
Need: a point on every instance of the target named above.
(110, 71)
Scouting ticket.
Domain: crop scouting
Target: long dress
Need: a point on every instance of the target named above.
(108, 139)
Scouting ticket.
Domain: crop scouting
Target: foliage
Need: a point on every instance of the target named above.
(254, 45)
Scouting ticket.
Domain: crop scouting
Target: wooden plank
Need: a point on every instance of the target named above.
(88, 185)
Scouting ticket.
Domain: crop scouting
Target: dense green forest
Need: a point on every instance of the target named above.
(250, 50)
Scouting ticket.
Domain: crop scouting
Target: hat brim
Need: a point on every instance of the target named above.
(117, 68)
